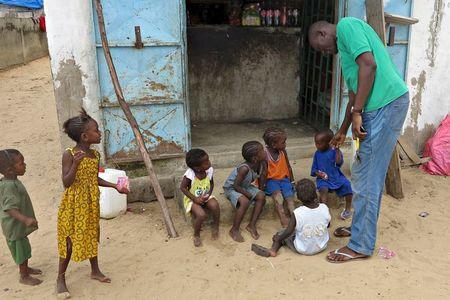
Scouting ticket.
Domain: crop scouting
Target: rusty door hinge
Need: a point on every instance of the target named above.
(137, 31)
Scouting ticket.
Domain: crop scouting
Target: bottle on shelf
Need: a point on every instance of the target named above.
(269, 14)
(263, 14)
(283, 18)
(276, 15)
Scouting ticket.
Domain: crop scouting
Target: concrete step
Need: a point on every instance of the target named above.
(229, 156)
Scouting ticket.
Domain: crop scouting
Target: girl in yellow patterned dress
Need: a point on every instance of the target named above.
(79, 212)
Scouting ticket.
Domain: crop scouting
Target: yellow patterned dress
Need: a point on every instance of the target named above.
(79, 212)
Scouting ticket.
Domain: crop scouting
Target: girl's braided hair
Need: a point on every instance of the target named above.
(271, 135)
(75, 126)
(7, 157)
(250, 149)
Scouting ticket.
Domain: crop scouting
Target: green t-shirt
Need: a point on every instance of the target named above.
(13, 195)
(354, 37)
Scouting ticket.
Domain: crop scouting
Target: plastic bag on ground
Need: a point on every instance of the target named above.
(438, 148)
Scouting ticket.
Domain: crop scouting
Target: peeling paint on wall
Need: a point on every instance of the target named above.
(416, 101)
(69, 90)
(434, 28)
(418, 138)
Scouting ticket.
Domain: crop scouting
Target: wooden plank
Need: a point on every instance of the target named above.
(394, 186)
(397, 19)
(408, 150)
(375, 17)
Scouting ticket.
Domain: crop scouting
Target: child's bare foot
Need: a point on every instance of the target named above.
(236, 236)
(254, 233)
(197, 241)
(61, 289)
(33, 271)
(100, 277)
(215, 233)
(28, 280)
(272, 253)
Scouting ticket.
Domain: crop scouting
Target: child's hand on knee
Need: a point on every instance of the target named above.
(276, 238)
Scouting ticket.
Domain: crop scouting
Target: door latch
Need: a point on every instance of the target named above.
(137, 32)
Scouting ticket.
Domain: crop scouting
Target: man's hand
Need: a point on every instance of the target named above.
(30, 222)
(338, 139)
(356, 127)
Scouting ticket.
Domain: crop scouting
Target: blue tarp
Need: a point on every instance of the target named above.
(34, 4)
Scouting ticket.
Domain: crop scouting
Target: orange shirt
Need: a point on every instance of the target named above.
(277, 169)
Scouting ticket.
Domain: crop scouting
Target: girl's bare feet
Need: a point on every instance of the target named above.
(236, 236)
(100, 277)
(272, 253)
(215, 233)
(28, 280)
(197, 241)
(254, 233)
(33, 271)
(61, 288)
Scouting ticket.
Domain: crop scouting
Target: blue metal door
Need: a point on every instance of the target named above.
(153, 77)
(398, 52)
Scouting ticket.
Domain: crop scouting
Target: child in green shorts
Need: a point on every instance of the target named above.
(17, 214)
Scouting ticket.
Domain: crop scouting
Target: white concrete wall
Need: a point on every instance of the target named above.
(428, 70)
(71, 43)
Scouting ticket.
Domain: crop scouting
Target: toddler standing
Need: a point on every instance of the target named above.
(17, 214)
(326, 168)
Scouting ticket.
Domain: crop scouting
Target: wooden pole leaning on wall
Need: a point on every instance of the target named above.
(375, 18)
(135, 127)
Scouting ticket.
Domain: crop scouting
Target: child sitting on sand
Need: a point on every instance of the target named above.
(278, 174)
(239, 190)
(307, 232)
(17, 214)
(326, 168)
(79, 211)
(197, 186)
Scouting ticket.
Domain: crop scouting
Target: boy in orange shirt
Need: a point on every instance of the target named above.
(278, 174)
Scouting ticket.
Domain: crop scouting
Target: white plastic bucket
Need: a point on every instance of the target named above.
(112, 203)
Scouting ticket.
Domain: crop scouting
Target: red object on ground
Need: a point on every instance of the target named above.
(42, 23)
(101, 170)
(438, 148)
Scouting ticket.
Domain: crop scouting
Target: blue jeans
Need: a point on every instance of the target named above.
(383, 127)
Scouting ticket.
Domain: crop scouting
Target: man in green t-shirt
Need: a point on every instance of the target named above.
(378, 103)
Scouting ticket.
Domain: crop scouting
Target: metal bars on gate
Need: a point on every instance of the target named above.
(316, 68)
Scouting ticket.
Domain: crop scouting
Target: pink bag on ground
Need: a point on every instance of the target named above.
(438, 148)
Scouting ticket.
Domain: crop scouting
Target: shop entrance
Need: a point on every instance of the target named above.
(244, 79)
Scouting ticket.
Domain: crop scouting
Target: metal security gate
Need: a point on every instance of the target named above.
(147, 41)
(316, 69)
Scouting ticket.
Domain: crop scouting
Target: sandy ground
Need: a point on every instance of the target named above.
(144, 264)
